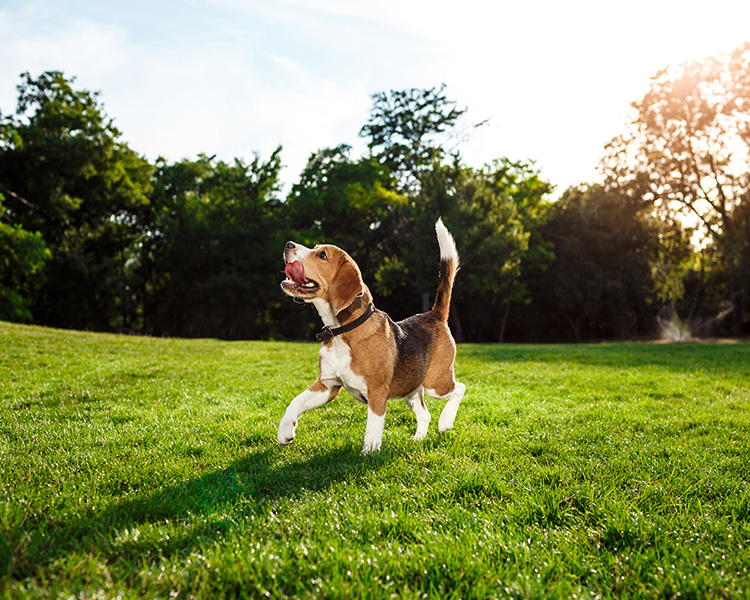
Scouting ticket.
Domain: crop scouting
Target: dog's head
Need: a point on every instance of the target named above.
(325, 272)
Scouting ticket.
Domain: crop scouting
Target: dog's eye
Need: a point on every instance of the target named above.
(322, 255)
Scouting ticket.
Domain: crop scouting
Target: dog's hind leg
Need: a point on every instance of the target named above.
(313, 397)
(451, 406)
(415, 401)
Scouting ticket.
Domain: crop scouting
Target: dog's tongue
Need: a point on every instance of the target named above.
(296, 272)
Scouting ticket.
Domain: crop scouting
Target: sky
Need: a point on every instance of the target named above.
(235, 78)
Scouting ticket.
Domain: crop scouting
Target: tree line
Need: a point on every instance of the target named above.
(94, 236)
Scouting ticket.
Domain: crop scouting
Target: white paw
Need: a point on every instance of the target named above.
(371, 447)
(445, 424)
(286, 430)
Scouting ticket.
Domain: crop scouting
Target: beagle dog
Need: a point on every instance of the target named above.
(364, 351)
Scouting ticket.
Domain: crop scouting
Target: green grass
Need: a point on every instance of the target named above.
(136, 467)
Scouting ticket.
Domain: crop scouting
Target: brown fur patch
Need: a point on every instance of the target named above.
(347, 285)
(319, 386)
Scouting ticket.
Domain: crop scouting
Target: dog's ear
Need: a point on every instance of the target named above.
(348, 285)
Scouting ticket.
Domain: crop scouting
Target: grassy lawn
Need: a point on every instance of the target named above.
(135, 467)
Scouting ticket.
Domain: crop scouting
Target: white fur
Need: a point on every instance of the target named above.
(335, 367)
(451, 407)
(307, 400)
(298, 252)
(415, 402)
(373, 432)
(326, 312)
(445, 241)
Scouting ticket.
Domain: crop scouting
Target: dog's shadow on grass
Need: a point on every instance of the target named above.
(262, 476)
(195, 511)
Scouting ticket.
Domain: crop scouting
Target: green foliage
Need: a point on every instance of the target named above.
(404, 130)
(71, 180)
(140, 467)
(211, 256)
(494, 214)
(605, 244)
(674, 260)
(65, 159)
(22, 255)
(353, 204)
(343, 201)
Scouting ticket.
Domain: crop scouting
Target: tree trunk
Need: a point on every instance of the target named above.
(124, 285)
(505, 321)
(738, 314)
(575, 325)
(455, 325)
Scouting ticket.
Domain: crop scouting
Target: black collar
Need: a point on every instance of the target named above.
(330, 332)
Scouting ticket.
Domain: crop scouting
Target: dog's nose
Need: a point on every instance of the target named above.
(289, 245)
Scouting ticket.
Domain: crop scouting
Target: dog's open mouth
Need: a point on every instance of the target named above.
(296, 282)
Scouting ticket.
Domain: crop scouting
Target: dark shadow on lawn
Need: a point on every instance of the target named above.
(247, 486)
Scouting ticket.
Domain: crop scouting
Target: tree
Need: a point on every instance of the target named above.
(498, 212)
(405, 130)
(344, 201)
(212, 262)
(690, 140)
(22, 255)
(605, 246)
(67, 176)
(493, 213)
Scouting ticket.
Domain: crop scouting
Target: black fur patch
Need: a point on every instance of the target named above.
(414, 337)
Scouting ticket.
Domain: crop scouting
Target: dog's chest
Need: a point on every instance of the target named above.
(335, 366)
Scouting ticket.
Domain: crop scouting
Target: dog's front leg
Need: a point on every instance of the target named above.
(375, 421)
(313, 397)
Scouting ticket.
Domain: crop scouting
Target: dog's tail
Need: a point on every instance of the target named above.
(449, 265)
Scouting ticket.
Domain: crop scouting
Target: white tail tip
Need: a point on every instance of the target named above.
(445, 241)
